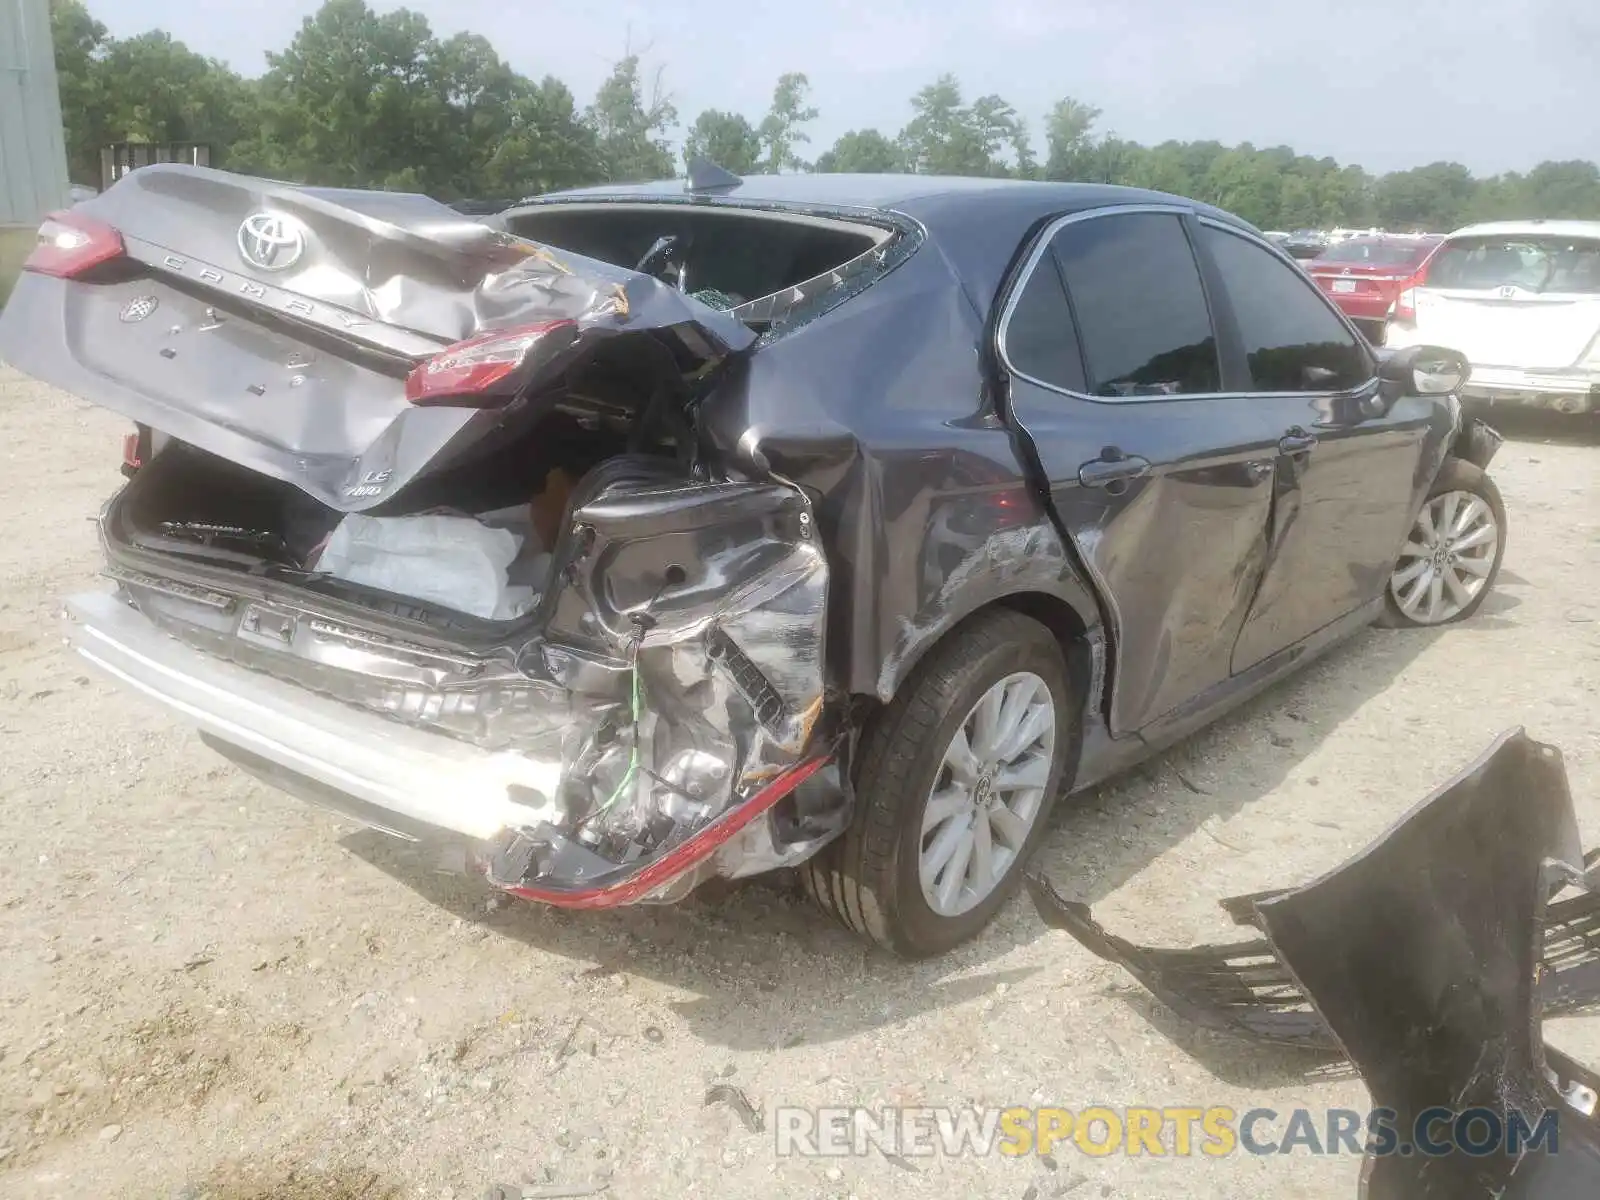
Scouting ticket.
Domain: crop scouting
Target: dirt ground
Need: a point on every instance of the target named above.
(208, 989)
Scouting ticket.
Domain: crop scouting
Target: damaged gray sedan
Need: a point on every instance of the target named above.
(645, 535)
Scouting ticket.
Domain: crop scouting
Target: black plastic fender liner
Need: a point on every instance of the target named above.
(1429, 959)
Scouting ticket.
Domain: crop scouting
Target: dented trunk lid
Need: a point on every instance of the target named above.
(275, 325)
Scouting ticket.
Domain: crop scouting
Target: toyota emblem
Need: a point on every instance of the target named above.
(271, 241)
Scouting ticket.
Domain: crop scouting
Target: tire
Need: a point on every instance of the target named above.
(871, 877)
(1405, 607)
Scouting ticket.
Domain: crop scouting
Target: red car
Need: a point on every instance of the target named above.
(1364, 275)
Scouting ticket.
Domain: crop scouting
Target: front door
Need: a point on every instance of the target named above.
(1349, 466)
(1163, 481)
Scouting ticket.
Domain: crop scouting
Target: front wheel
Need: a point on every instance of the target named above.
(1452, 555)
(957, 778)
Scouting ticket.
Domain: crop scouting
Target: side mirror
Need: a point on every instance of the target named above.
(1423, 371)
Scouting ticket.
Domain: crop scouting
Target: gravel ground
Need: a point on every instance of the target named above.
(207, 989)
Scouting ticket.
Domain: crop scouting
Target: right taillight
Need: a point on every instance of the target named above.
(1405, 304)
(71, 243)
(485, 371)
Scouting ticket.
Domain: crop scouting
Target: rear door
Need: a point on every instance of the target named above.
(1531, 303)
(1163, 481)
(1350, 468)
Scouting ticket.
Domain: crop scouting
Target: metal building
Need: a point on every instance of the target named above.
(33, 154)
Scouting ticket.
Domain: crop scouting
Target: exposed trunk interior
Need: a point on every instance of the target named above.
(196, 506)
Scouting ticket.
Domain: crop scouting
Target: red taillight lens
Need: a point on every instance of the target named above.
(484, 371)
(70, 243)
(1405, 304)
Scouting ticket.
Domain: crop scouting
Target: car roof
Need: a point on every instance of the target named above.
(979, 223)
(1585, 229)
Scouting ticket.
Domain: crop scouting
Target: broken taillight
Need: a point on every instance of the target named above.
(70, 244)
(484, 371)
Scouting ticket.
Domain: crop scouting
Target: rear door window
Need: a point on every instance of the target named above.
(1566, 266)
(1039, 340)
(1141, 311)
(1293, 341)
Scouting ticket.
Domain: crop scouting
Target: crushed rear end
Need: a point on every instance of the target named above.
(642, 709)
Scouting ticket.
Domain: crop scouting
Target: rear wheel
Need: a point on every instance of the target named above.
(957, 778)
(1453, 553)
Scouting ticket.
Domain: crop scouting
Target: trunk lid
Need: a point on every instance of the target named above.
(1367, 266)
(276, 325)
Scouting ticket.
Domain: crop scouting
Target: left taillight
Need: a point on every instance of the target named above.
(486, 371)
(71, 243)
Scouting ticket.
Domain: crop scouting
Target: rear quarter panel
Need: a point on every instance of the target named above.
(879, 410)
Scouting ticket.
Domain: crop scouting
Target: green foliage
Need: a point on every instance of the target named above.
(366, 99)
(727, 139)
(865, 152)
(631, 132)
(780, 127)
(15, 246)
(140, 89)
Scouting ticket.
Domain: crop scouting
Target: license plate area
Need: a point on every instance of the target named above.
(266, 626)
(1344, 285)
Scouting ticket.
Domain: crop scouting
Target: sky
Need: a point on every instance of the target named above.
(1494, 84)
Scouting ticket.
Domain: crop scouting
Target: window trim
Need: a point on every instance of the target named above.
(1210, 266)
(1031, 264)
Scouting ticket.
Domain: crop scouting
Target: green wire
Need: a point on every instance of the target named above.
(633, 758)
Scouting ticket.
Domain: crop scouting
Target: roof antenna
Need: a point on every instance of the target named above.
(706, 176)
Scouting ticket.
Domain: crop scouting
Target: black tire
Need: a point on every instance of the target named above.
(868, 878)
(1457, 475)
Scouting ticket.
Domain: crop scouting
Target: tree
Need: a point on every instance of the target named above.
(945, 137)
(629, 130)
(725, 138)
(1434, 197)
(861, 152)
(779, 130)
(79, 42)
(1067, 138)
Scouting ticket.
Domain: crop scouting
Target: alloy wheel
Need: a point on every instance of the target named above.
(989, 792)
(1447, 560)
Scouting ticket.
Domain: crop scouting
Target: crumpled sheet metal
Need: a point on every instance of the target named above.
(681, 681)
(400, 276)
(1245, 988)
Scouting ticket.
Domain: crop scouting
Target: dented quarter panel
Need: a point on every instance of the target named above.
(923, 503)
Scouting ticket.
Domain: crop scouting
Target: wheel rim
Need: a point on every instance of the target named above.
(1447, 559)
(988, 794)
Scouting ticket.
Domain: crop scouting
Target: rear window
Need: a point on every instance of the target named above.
(1375, 253)
(1569, 266)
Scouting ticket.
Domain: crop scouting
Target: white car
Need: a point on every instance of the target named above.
(1521, 300)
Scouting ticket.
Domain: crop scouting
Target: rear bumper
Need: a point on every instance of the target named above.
(409, 782)
(424, 779)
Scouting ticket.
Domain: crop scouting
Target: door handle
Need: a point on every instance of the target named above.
(1296, 441)
(1113, 467)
